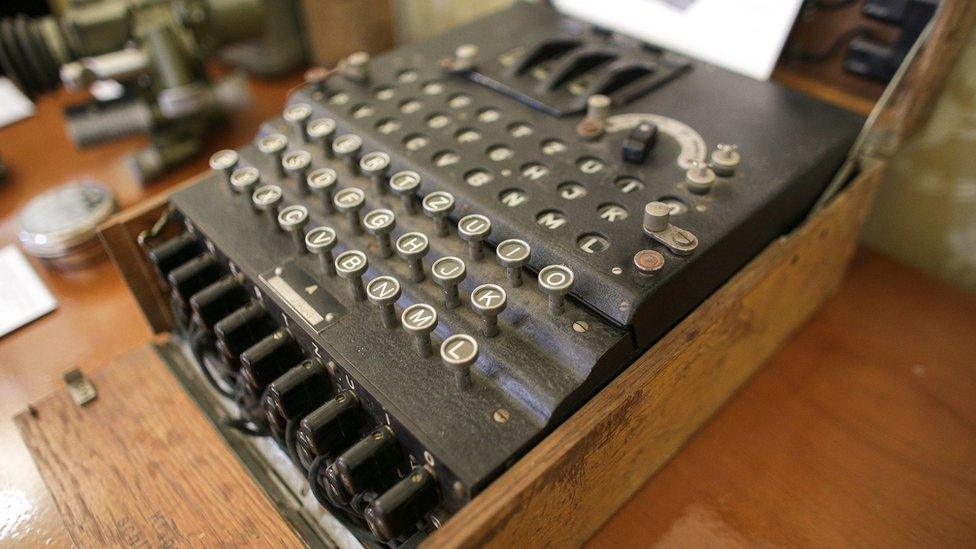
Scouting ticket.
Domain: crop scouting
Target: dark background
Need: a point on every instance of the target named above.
(30, 7)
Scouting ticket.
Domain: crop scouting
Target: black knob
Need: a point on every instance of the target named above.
(321, 241)
(513, 254)
(297, 116)
(297, 164)
(398, 509)
(172, 253)
(273, 146)
(225, 162)
(639, 142)
(267, 359)
(351, 265)
(300, 390)
(384, 291)
(448, 272)
(293, 220)
(412, 247)
(371, 463)
(333, 426)
(349, 201)
(380, 223)
(322, 130)
(242, 329)
(474, 229)
(193, 276)
(405, 185)
(322, 182)
(374, 166)
(218, 300)
(437, 206)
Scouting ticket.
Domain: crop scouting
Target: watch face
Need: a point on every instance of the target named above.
(64, 216)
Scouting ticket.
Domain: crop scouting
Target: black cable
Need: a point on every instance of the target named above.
(355, 524)
(197, 347)
(291, 441)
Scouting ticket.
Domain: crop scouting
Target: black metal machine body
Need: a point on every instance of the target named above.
(438, 255)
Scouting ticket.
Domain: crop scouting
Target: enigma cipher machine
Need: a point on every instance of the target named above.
(435, 256)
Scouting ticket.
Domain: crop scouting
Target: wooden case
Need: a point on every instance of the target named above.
(569, 484)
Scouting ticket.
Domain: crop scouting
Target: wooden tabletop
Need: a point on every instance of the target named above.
(859, 432)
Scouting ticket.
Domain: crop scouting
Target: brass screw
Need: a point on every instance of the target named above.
(500, 415)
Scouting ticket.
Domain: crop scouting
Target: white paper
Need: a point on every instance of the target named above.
(23, 296)
(14, 106)
(744, 36)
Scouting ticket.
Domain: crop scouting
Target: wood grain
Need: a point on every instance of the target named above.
(141, 466)
(569, 484)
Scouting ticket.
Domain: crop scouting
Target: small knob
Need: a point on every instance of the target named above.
(243, 180)
(267, 198)
(296, 164)
(297, 116)
(351, 264)
(488, 301)
(437, 206)
(699, 177)
(598, 107)
(460, 352)
(420, 320)
(350, 201)
(405, 184)
(380, 223)
(321, 131)
(356, 66)
(322, 182)
(513, 254)
(374, 166)
(321, 241)
(657, 217)
(474, 229)
(384, 291)
(725, 159)
(293, 220)
(225, 162)
(347, 147)
(412, 247)
(448, 272)
(273, 146)
(556, 281)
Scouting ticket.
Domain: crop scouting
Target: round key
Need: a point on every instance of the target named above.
(321, 241)
(293, 220)
(437, 206)
(460, 352)
(513, 254)
(448, 272)
(420, 320)
(225, 162)
(383, 291)
(405, 184)
(725, 159)
(556, 281)
(412, 247)
(657, 217)
(296, 164)
(273, 146)
(474, 229)
(267, 198)
(380, 223)
(321, 131)
(374, 166)
(297, 116)
(488, 301)
(347, 147)
(351, 264)
(350, 201)
(356, 66)
(243, 180)
(322, 183)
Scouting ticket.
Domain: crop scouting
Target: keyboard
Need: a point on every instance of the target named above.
(435, 256)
